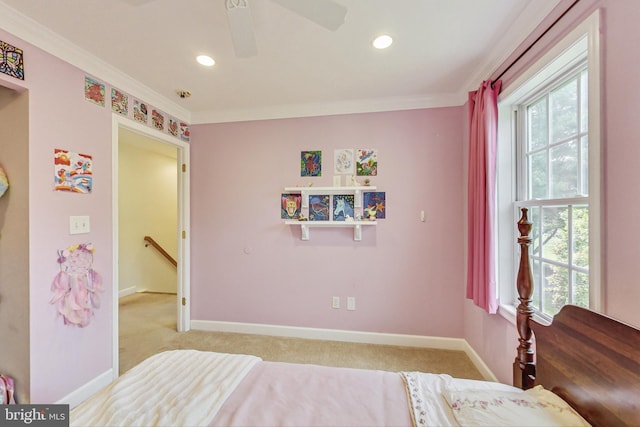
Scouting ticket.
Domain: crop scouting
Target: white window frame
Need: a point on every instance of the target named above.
(583, 42)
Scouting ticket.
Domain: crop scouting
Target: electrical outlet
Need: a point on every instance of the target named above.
(336, 302)
(351, 303)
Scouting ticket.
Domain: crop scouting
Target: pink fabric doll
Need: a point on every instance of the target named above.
(77, 286)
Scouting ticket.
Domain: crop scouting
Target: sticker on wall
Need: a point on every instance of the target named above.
(94, 91)
(173, 127)
(4, 181)
(77, 285)
(72, 171)
(374, 204)
(185, 134)
(311, 163)
(290, 205)
(119, 102)
(366, 162)
(11, 60)
(140, 111)
(343, 161)
(343, 207)
(157, 120)
(319, 207)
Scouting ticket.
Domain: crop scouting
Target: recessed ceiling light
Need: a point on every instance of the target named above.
(382, 42)
(205, 60)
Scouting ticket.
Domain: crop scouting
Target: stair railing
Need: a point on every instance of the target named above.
(159, 248)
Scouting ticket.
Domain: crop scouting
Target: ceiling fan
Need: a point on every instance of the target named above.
(326, 13)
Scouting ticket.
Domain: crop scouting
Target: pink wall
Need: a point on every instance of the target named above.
(63, 358)
(247, 266)
(492, 336)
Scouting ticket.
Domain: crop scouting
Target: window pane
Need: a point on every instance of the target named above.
(580, 289)
(584, 165)
(534, 217)
(538, 175)
(581, 236)
(535, 265)
(538, 125)
(584, 104)
(556, 288)
(554, 234)
(564, 170)
(564, 111)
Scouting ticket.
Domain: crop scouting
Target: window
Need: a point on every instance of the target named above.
(549, 162)
(553, 183)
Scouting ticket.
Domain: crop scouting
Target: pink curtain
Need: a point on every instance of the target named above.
(483, 129)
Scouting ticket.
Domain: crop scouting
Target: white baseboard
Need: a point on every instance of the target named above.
(127, 291)
(487, 374)
(81, 394)
(420, 341)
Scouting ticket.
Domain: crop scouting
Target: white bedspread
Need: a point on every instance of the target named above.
(426, 396)
(174, 388)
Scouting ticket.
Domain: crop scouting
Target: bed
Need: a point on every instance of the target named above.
(582, 369)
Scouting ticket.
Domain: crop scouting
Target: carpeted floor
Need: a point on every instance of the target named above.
(148, 326)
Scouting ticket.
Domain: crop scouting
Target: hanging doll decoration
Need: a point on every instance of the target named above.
(77, 286)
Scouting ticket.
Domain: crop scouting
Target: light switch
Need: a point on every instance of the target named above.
(78, 224)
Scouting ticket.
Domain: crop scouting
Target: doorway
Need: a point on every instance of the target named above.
(135, 139)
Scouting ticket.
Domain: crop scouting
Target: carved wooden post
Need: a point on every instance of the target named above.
(524, 369)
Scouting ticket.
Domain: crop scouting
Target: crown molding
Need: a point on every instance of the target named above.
(43, 38)
(328, 109)
(533, 14)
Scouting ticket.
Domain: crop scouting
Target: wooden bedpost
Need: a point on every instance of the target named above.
(524, 369)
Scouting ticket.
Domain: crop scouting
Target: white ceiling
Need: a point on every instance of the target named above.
(442, 49)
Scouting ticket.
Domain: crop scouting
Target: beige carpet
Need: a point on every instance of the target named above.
(148, 326)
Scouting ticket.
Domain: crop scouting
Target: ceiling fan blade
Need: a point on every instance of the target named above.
(241, 26)
(325, 13)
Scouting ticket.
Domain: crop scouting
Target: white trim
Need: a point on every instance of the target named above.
(584, 37)
(326, 109)
(534, 14)
(183, 271)
(477, 361)
(329, 334)
(126, 292)
(81, 394)
(420, 341)
(40, 36)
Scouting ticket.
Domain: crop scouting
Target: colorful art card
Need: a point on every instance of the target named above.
(343, 207)
(73, 171)
(374, 202)
(140, 111)
(119, 102)
(157, 120)
(94, 91)
(185, 134)
(366, 162)
(319, 207)
(173, 127)
(290, 205)
(343, 160)
(11, 60)
(311, 163)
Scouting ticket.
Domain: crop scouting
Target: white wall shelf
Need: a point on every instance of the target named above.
(306, 225)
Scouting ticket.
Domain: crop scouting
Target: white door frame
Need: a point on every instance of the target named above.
(183, 231)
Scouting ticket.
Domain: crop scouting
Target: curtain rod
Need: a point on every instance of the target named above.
(515, 61)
